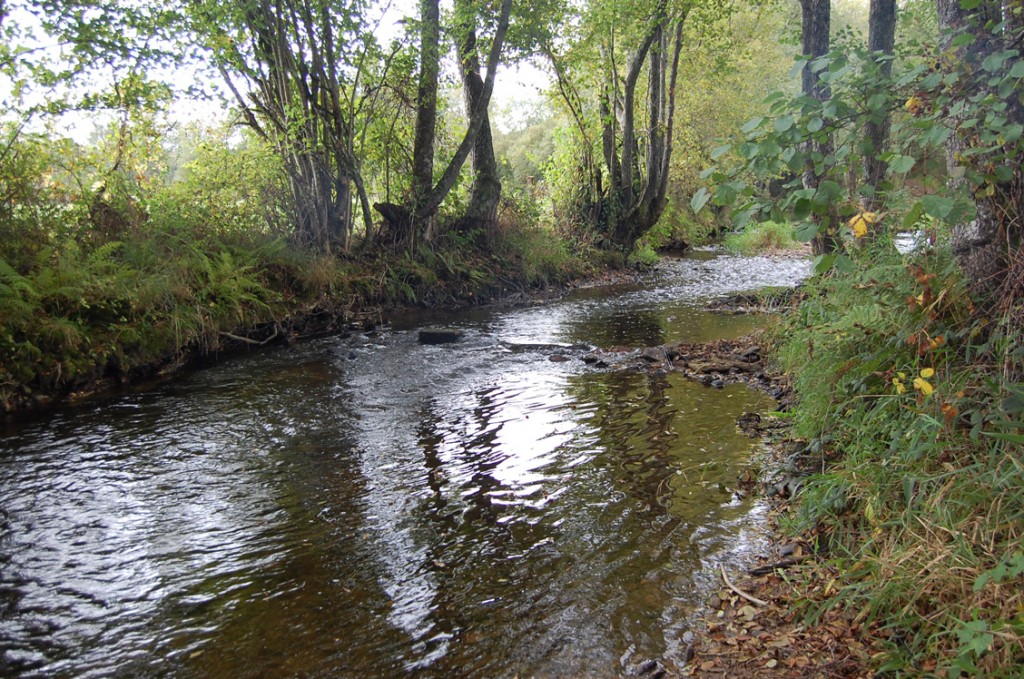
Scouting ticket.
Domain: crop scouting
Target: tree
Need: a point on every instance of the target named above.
(881, 42)
(984, 39)
(414, 219)
(485, 193)
(816, 27)
(634, 132)
(301, 64)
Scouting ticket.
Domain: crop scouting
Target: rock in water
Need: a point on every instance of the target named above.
(440, 335)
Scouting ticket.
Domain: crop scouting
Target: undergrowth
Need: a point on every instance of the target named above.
(130, 308)
(763, 237)
(914, 403)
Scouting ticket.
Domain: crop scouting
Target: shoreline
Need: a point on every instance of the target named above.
(324, 318)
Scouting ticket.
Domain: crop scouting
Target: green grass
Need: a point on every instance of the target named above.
(921, 503)
(762, 238)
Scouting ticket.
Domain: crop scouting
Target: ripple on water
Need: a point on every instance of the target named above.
(343, 508)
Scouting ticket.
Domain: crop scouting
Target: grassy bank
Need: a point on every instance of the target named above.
(79, 317)
(911, 403)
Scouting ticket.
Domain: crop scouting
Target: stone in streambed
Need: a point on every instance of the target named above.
(440, 335)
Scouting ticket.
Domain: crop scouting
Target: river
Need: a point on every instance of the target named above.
(371, 506)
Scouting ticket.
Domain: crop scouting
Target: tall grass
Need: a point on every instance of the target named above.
(905, 397)
(764, 237)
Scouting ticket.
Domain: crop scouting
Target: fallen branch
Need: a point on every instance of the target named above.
(247, 340)
(737, 590)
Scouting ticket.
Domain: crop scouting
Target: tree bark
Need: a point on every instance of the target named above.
(988, 247)
(427, 200)
(816, 28)
(426, 112)
(881, 41)
(635, 212)
(485, 193)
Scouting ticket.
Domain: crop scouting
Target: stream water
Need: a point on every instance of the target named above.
(370, 506)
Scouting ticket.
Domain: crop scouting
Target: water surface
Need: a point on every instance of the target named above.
(369, 506)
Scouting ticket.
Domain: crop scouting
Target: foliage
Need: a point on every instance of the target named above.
(935, 104)
(922, 500)
(717, 95)
(763, 237)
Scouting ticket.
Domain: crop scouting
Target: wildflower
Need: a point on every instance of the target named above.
(913, 105)
(898, 383)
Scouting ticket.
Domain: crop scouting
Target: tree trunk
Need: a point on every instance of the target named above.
(635, 212)
(427, 200)
(485, 193)
(426, 115)
(817, 25)
(881, 41)
(988, 247)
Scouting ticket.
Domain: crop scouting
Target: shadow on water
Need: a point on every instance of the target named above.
(377, 507)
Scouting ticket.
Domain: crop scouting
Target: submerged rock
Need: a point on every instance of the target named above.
(440, 335)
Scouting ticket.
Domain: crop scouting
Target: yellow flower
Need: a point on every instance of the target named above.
(913, 105)
(928, 372)
(898, 383)
(859, 223)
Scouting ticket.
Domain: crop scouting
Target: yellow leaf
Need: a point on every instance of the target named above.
(924, 386)
(859, 224)
(927, 372)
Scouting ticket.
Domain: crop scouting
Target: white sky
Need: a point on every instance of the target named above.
(518, 87)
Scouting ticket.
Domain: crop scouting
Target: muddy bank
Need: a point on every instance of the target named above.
(754, 624)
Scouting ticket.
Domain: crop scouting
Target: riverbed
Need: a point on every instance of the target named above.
(372, 506)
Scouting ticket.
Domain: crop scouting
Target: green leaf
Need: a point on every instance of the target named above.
(969, 4)
(700, 199)
(994, 62)
(901, 164)
(910, 221)
(806, 231)
(747, 150)
(877, 101)
(1018, 69)
(823, 263)
(720, 151)
(937, 206)
(1004, 173)
(783, 124)
(815, 124)
(827, 193)
(725, 195)
(845, 264)
(802, 210)
(975, 636)
(964, 39)
(751, 125)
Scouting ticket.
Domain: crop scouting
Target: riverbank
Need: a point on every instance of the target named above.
(753, 625)
(81, 324)
(898, 540)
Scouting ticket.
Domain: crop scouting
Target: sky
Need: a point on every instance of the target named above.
(518, 88)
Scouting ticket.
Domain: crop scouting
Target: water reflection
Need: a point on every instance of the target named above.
(377, 508)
